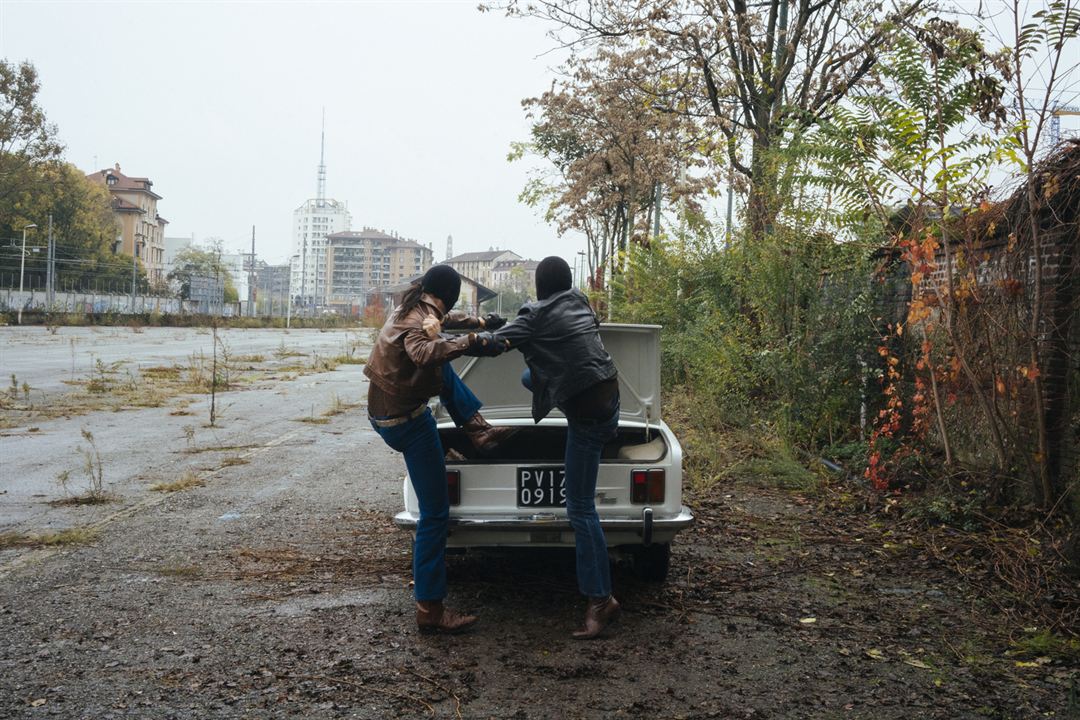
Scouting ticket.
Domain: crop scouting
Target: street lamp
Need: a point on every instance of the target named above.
(134, 266)
(22, 268)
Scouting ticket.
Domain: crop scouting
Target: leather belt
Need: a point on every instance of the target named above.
(399, 420)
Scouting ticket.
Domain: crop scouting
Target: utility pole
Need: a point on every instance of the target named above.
(251, 276)
(134, 267)
(50, 268)
(303, 275)
(22, 269)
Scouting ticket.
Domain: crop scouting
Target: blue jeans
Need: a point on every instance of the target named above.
(585, 439)
(418, 440)
(457, 398)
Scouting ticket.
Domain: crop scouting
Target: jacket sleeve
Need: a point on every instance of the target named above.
(518, 331)
(425, 352)
(456, 320)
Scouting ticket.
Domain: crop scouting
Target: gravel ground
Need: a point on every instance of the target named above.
(278, 588)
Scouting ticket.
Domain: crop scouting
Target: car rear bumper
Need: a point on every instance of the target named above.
(550, 530)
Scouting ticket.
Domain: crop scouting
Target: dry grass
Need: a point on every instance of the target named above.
(314, 420)
(233, 461)
(71, 536)
(339, 407)
(87, 498)
(187, 481)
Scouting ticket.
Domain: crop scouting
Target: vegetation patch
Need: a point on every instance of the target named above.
(187, 481)
(71, 536)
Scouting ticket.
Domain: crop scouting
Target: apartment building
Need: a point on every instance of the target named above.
(358, 263)
(517, 275)
(313, 223)
(272, 288)
(480, 265)
(141, 228)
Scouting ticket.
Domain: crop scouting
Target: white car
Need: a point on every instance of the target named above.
(515, 497)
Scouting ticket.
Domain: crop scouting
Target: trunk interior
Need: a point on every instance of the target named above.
(548, 445)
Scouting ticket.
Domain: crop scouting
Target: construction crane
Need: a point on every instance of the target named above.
(1056, 112)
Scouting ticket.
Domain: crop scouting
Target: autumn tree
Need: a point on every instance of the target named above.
(613, 158)
(27, 140)
(84, 229)
(765, 71)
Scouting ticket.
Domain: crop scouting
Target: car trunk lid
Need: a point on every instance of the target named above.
(634, 348)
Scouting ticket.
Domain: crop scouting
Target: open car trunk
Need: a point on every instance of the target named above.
(634, 348)
(547, 444)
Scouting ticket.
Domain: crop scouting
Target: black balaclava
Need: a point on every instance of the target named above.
(552, 275)
(443, 282)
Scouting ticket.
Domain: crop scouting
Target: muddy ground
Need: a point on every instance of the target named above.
(278, 588)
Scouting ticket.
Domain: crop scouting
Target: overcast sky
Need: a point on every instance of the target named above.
(219, 104)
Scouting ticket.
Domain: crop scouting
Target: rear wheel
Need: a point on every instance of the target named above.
(651, 563)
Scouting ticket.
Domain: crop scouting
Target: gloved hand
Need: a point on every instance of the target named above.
(493, 321)
(484, 344)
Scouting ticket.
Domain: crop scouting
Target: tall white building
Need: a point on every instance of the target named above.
(312, 222)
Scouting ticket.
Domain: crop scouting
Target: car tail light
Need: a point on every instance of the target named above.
(647, 486)
(453, 486)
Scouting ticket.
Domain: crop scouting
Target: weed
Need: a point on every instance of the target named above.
(251, 359)
(1047, 644)
(71, 536)
(233, 461)
(101, 376)
(338, 406)
(283, 352)
(187, 481)
(87, 498)
(92, 464)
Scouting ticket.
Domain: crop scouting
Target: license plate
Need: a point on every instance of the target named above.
(541, 487)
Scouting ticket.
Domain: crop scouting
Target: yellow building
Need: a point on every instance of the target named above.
(141, 229)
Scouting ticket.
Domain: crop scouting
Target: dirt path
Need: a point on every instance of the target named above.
(233, 600)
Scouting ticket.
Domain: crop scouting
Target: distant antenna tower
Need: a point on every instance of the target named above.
(320, 195)
(449, 246)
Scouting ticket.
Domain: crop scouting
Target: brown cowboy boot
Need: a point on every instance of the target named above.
(434, 617)
(483, 436)
(598, 615)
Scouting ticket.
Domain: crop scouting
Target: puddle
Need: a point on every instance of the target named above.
(298, 606)
(229, 516)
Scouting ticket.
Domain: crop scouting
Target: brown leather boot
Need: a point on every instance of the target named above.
(434, 617)
(598, 615)
(483, 436)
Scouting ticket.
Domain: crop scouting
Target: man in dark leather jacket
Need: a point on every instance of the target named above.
(570, 369)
